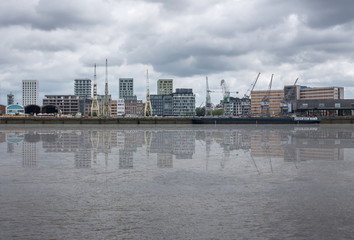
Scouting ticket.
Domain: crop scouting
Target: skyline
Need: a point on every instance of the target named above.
(57, 42)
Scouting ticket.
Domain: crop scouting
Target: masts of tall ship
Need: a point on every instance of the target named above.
(95, 109)
(148, 108)
(106, 111)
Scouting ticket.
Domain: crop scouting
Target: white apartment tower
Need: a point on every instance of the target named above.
(83, 87)
(30, 93)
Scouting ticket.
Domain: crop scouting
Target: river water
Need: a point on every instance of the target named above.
(177, 182)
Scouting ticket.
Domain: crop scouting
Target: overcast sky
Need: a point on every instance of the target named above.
(57, 41)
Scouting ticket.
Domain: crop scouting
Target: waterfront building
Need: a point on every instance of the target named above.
(294, 95)
(68, 104)
(10, 99)
(161, 105)
(85, 105)
(30, 92)
(183, 102)
(100, 100)
(114, 108)
(321, 93)
(164, 86)
(2, 109)
(15, 110)
(126, 87)
(323, 107)
(275, 98)
(133, 106)
(240, 106)
(120, 107)
(83, 87)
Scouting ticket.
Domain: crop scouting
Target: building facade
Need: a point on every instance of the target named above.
(2, 109)
(100, 99)
(126, 87)
(164, 86)
(275, 99)
(114, 106)
(83, 87)
(321, 93)
(323, 107)
(240, 106)
(120, 107)
(30, 92)
(15, 110)
(68, 104)
(183, 102)
(161, 105)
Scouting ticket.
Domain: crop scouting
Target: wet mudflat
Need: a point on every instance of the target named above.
(177, 182)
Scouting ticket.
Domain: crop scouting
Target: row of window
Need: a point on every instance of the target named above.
(322, 105)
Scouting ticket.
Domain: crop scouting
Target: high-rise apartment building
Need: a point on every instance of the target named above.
(83, 87)
(126, 87)
(183, 102)
(30, 93)
(164, 86)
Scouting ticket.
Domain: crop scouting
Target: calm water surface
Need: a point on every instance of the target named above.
(177, 182)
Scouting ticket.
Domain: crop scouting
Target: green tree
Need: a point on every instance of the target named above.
(217, 112)
(200, 111)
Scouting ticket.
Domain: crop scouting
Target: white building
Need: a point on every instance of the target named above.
(120, 107)
(30, 93)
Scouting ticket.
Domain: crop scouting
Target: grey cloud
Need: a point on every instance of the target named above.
(51, 14)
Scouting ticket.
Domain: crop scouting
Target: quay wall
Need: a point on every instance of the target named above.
(15, 120)
(152, 120)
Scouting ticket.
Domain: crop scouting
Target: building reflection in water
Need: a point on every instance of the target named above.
(30, 149)
(291, 143)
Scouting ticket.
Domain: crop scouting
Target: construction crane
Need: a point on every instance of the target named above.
(106, 110)
(289, 94)
(250, 89)
(147, 108)
(95, 108)
(208, 105)
(265, 99)
(226, 98)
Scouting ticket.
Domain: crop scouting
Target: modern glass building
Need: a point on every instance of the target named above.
(183, 102)
(161, 105)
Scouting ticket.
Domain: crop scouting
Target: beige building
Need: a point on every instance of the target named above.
(292, 93)
(322, 93)
(275, 98)
(164, 86)
(114, 104)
